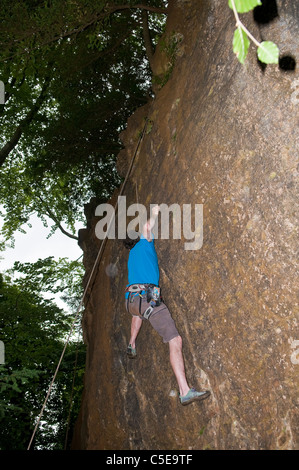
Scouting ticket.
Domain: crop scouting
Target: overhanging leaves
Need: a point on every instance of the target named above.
(243, 6)
(240, 44)
(268, 52)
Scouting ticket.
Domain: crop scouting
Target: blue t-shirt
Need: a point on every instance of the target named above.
(143, 267)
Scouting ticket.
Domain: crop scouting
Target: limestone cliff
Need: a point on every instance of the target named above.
(225, 136)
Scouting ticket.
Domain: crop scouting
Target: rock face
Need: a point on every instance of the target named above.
(225, 136)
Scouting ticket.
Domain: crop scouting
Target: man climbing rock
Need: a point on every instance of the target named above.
(144, 303)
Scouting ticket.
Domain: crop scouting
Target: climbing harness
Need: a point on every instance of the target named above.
(136, 288)
(147, 313)
(150, 292)
(87, 285)
(154, 294)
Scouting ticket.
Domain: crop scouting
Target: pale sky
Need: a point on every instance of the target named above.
(34, 244)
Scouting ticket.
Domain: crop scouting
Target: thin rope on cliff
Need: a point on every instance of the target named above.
(87, 285)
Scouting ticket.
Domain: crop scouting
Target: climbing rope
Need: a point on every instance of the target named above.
(88, 284)
(72, 394)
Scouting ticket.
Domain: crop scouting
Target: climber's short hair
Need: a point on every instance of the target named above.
(131, 239)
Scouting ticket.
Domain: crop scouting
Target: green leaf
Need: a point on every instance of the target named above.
(243, 6)
(268, 52)
(240, 44)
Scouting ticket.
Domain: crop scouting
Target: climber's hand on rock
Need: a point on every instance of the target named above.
(155, 210)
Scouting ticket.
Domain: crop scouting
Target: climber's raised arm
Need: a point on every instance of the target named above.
(149, 225)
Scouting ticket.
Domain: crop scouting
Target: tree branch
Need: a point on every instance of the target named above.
(239, 24)
(140, 6)
(11, 144)
(147, 39)
(54, 218)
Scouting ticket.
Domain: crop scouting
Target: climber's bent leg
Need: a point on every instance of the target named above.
(162, 321)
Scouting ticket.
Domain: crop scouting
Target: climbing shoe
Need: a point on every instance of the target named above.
(131, 352)
(193, 395)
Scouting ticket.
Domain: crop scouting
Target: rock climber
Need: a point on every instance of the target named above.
(144, 303)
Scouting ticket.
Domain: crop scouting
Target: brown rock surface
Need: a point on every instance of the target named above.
(225, 136)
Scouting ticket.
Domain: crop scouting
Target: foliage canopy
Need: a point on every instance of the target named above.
(73, 73)
(33, 330)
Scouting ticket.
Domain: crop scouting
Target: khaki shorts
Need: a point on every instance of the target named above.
(160, 319)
